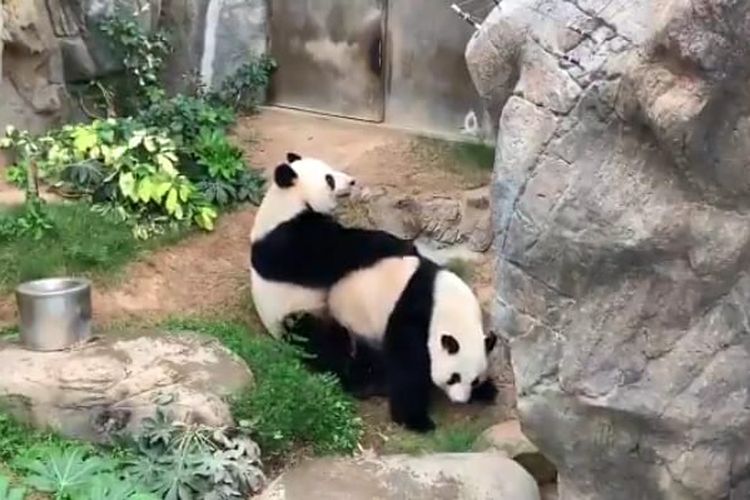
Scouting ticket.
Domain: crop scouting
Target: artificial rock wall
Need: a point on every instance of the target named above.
(46, 44)
(621, 209)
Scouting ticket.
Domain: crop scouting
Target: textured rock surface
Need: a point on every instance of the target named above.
(621, 211)
(213, 38)
(507, 438)
(31, 85)
(468, 476)
(111, 384)
(442, 219)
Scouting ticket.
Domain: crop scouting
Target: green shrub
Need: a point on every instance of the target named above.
(244, 90)
(184, 117)
(289, 406)
(185, 461)
(143, 55)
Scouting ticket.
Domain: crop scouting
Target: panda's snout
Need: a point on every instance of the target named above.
(346, 186)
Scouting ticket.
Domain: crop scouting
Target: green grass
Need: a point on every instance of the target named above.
(81, 242)
(19, 440)
(289, 407)
(447, 438)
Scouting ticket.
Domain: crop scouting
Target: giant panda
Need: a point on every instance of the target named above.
(298, 250)
(417, 325)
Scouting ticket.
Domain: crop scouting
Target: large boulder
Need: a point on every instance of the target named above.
(111, 384)
(621, 211)
(32, 94)
(468, 476)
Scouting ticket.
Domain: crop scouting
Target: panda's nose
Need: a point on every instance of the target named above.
(352, 182)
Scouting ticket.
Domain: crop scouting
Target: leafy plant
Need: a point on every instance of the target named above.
(33, 222)
(141, 162)
(65, 472)
(186, 461)
(9, 493)
(17, 175)
(143, 55)
(77, 473)
(184, 117)
(289, 406)
(244, 89)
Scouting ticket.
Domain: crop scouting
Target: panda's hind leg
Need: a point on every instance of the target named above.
(330, 348)
(409, 383)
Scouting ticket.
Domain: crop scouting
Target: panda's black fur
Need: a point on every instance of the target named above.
(401, 369)
(314, 250)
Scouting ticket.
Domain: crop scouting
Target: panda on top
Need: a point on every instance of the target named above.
(387, 313)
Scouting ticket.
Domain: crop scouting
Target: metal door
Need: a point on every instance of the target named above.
(330, 56)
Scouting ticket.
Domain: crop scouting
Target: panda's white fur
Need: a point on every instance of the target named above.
(364, 300)
(275, 300)
(298, 250)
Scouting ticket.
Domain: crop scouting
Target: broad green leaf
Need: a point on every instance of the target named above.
(160, 189)
(166, 165)
(149, 143)
(135, 140)
(205, 220)
(94, 152)
(185, 191)
(84, 138)
(172, 203)
(145, 190)
(127, 186)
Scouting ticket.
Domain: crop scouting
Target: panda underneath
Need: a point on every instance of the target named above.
(422, 323)
(384, 319)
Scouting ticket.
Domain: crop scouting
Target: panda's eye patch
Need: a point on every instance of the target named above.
(330, 181)
(455, 379)
(450, 344)
(475, 382)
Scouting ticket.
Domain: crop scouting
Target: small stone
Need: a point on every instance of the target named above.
(509, 439)
(449, 476)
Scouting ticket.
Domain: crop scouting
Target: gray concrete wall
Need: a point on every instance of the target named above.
(429, 88)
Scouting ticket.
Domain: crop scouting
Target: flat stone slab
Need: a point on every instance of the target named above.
(114, 382)
(444, 476)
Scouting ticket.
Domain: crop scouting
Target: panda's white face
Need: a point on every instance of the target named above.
(458, 368)
(316, 184)
(457, 344)
(298, 185)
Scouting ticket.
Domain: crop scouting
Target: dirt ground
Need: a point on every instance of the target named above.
(210, 272)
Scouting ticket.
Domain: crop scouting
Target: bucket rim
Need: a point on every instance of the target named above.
(50, 287)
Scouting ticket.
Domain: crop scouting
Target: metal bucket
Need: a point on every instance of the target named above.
(55, 313)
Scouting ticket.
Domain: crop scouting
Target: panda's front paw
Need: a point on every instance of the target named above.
(420, 425)
(484, 393)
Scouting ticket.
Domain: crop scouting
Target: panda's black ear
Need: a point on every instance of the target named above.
(284, 176)
(292, 157)
(489, 342)
(450, 344)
